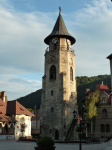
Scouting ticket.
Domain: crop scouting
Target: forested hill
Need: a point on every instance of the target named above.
(30, 100)
(83, 82)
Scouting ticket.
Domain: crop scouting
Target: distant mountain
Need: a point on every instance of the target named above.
(83, 82)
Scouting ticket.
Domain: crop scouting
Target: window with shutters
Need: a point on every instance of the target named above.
(53, 72)
(107, 128)
(71, 74)
(102, 128)
(104, 113)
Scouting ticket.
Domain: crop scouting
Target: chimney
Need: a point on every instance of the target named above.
(87, 90)
(3, 96)
(110, 58)
(97, 87)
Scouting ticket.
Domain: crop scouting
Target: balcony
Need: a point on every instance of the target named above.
(60, 47)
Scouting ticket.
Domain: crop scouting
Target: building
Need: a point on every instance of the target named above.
(59, 94)
(15, 119)
(110, 58)
(103, 122)
(35, 120)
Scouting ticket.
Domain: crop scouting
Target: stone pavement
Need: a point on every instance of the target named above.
(13, 145)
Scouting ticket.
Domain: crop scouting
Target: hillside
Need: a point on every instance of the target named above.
(83, 82)
(30, 100)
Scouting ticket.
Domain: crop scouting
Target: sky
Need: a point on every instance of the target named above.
(24, 24)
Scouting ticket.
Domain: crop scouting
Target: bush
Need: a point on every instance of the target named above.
(45, 141)
(80, 128)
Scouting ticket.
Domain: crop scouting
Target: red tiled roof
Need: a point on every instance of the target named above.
(15, 108)
(3, 106)
(104, 87)
(4, 118)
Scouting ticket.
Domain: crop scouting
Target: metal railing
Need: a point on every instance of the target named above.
(59, 47)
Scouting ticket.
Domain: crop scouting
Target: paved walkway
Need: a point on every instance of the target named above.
(13, 145)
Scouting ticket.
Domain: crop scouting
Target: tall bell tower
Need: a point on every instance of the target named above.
(59, 94)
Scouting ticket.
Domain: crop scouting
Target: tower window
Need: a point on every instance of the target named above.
(71, 74)
(52, 109)
(71, 61)
(51, 93)
(53, 72)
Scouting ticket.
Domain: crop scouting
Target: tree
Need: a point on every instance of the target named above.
(90, 106)
(30, 109)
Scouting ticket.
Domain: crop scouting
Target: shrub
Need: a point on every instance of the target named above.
(45, 141)
(80, 128)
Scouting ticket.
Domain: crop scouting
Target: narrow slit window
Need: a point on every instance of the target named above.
(51, 93)
(71, 74)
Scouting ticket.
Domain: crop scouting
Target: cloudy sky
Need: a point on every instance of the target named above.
(25, 23)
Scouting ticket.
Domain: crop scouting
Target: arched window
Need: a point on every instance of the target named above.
(104, 100)
(104, 113)
(71, 74)
(53, 72)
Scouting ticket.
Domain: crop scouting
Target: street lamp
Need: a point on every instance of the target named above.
(74, 113)
(80, 148)
(85, 114)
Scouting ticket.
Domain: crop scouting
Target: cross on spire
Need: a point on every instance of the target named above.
(59, 9)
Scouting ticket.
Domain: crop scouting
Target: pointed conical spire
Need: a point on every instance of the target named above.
(60, 30)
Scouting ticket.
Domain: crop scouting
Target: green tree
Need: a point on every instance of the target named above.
(90, 106)
(30, 109)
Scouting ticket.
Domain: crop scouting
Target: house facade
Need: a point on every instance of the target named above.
(15, 119)
(103, 123)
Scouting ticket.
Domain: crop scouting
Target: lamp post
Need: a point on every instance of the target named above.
(85, 114)
(80, 146)
(74, 113)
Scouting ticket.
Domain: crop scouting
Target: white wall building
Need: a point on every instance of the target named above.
(14, 118)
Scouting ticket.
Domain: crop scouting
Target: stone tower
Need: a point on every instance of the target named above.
(59, 94)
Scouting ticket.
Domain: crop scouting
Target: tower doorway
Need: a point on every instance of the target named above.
(56, 135)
